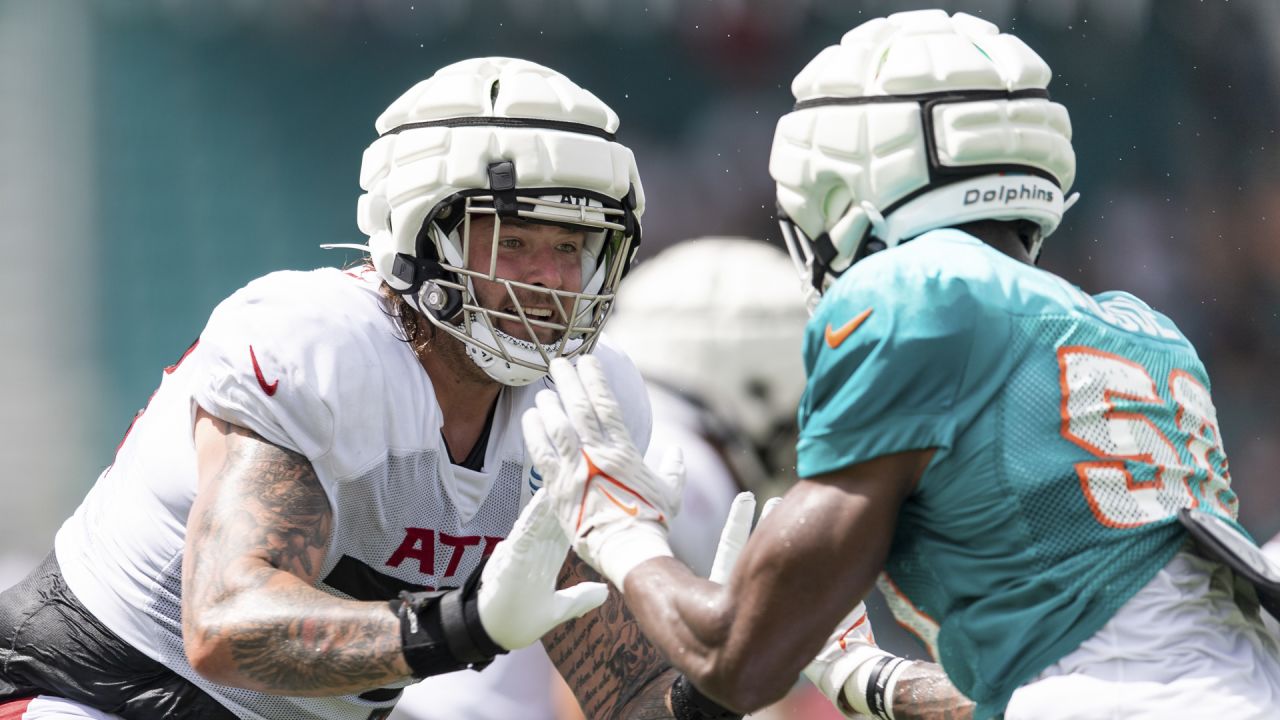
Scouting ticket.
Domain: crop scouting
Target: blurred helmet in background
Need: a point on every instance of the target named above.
(719, 321)
(507, 139)
(913, 122)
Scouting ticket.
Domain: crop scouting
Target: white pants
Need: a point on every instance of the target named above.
(1180, 648)
(43, 707)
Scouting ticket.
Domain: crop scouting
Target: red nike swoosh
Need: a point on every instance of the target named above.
(596, 474)
(835, 337)
(861, 619)
(269, 389)
(628, 509)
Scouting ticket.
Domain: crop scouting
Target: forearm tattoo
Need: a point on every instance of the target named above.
(611, 667)
(923, 692)
(254, 553)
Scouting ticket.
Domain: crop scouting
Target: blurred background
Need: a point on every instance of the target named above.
(155, 156)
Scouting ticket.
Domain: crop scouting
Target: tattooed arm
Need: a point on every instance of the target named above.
(615, 673)
(923, 692)
(256, 537)
(613, 670)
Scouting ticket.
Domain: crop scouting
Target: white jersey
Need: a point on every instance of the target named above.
(1222, 665)
(312, 362)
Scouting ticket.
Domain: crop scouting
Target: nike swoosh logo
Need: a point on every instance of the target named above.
(268, 388)
(861, 619)
(631, 510)
(835, 337)
(595, 474)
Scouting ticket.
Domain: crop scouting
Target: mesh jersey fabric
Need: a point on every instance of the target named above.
(1068, 429)
(311, 361)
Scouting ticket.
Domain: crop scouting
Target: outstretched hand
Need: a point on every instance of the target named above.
(614, 509)
(518, 600)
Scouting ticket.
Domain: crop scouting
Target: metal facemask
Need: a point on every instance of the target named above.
(448, 295)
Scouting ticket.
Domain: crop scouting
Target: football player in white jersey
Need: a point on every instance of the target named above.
(293, 527)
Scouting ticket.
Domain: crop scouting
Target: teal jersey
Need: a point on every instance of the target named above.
(1069, 430)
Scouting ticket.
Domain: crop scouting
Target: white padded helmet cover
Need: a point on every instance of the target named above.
(441, 138)
(839, 166)
(407, 173)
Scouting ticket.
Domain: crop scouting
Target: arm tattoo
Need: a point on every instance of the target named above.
(611, 667)
(923, 692)
(255, 548)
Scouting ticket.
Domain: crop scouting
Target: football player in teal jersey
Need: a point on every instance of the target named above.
(1009, 455)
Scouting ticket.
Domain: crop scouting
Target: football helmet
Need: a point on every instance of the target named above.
(913, 122)
(510, 140)
(708, 320)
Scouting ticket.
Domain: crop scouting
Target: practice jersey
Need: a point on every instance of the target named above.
(313, 362)
(1069, 430)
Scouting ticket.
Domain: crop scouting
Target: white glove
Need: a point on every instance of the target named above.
(613, 508)
(518, 601)
(736, 532)
(850, 663)
(848, 660)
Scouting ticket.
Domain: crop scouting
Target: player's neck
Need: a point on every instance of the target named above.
(463, 391)
(1002, 236)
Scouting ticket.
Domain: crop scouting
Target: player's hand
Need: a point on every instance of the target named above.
(518, 601)
(736, 532)
(612, 507)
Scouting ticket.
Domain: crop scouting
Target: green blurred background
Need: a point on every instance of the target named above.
(155, 156)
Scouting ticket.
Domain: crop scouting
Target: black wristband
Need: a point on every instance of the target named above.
(441, 632)
(878, 683)
(688, 703)
(422, 638)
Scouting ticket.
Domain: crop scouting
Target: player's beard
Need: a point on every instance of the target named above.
(424, 339)
(451, 352)
(455, 353)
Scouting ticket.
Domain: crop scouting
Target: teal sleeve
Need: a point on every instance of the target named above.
(910, 375)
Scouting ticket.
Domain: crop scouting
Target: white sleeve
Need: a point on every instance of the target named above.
(268, 360)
